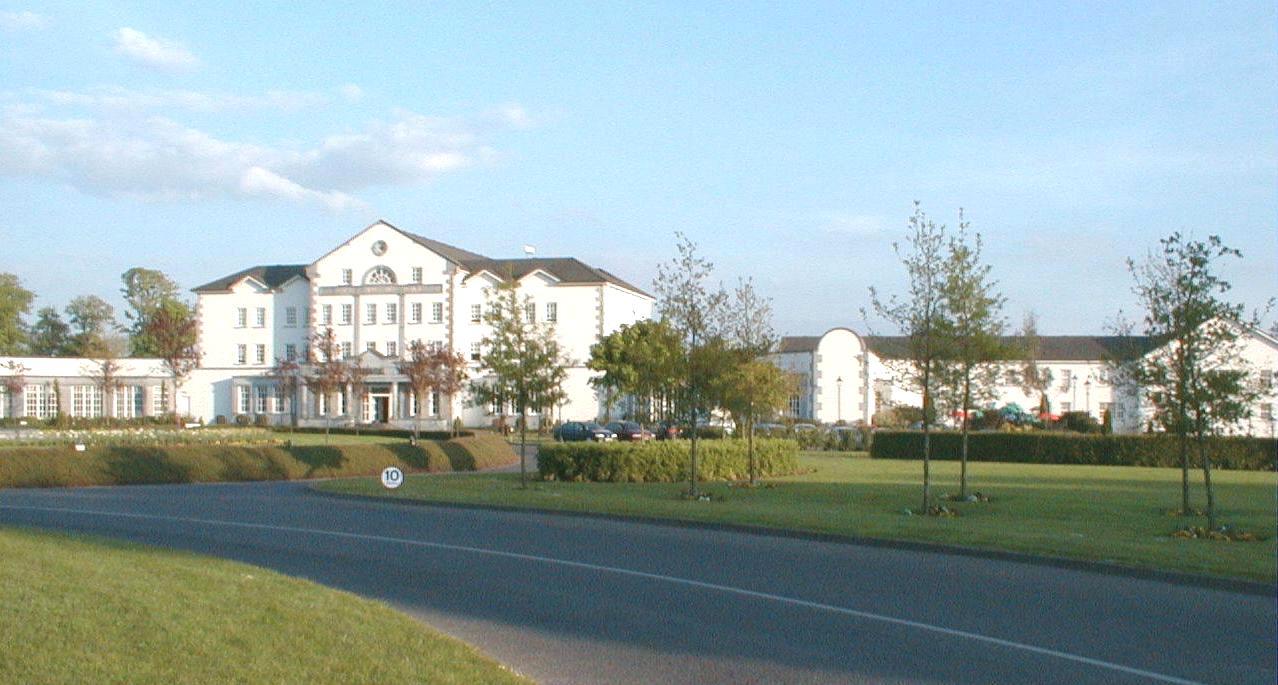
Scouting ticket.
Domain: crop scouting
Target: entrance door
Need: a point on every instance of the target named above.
(381, 409)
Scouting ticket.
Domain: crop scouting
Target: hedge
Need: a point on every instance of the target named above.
(132, 465)
(1242, 453)
(663, 461)
(387, 432)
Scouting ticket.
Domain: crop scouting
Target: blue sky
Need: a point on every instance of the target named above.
(788, 140)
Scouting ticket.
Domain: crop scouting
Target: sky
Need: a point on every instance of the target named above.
(789, 141)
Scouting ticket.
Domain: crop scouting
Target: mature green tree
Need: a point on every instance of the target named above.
(690, 306)
(975, 326)
(50, 336)
(174, 331)
(92, 323)
(522, 361)
(1034, 379)
(15, 302)
(1198, 380)
(641, 360)
(145, 291)
(922, 317)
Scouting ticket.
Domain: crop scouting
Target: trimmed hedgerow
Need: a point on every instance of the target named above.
(387, 432)
(1242, 453)
(663, 461)
(131, 465)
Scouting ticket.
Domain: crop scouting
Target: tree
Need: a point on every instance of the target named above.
(641, 360)
(1197, 380)
(755, 389)
(922, 317)
(522, 359)
(327, 372)
(92, 321)
(689, 306)
(976, 327)
(174, 331)
(105, 374)
(14, 383)
(50, 336)
(357, 379)
(1034, 378)
(145, 291)
(15, 302)
(288, 374)
(432, 369)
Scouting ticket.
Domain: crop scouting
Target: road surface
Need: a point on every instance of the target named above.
(583, 600)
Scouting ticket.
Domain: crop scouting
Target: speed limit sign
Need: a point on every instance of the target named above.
(392, 477)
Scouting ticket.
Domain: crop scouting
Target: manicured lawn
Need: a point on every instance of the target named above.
(75, 610)
(335, 439)
(1106, 513)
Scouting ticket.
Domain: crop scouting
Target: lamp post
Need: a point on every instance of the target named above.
(1087, 395)
(839, 383)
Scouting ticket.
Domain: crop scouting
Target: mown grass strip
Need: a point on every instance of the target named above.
(1097, 513)
(77, 610)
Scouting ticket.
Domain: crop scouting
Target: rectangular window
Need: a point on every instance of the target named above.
(347, 277)
(476, 313)
(260, 321)
(326, 315)
(391, 348)
(552, 311)
(370, 313)
(417, 274)
(392, 313)
(278, 396)
(290, 351)
(1066, 407)
(435, 345)
(306, 316)
(347, 313)
(371, 347)
(530, 312)
(436, 312)
(322, 404)
(159, 399)
(290, 316)
(262, 393)
(34, 396)
(130, 402)
(86, 401)
(242, 399)
(1267, 412)
(1066, 376)
(346, 348)
(474, 352)
(1104, 407)
(261, 354)
(434, 403)
(241, 317)
(241, 354)
(416, 310)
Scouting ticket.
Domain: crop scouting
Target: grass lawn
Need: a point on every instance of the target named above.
(301, 439)
(1106, 513)
(77, 610)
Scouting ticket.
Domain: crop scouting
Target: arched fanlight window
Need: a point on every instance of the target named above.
(379, 275)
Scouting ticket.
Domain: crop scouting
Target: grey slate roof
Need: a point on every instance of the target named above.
(272, 275)
(1062, 348)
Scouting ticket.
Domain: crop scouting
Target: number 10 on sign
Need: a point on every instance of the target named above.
(392, 477)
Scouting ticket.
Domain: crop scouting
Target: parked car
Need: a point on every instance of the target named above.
(581, 431)
(804, 427)
(629, 430)
(769, 429)
(853, 439)
(666, 431)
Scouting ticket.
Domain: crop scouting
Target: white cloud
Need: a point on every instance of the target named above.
(153, 52)
(119, 98)
(858, 225)
(351, 92)
(156, 158)
(22, 21)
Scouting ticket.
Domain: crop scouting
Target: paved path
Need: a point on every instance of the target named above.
(583, 600)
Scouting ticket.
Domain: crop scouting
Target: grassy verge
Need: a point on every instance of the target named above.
(77, 610)
(1102, 513)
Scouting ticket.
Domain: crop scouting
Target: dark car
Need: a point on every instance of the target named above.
(580, 431)
(666, 431)
(629, 430)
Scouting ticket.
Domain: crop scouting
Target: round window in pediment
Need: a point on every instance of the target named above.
(379, 248)
(380, 276)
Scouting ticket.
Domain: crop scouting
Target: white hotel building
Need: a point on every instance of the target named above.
(379, 291)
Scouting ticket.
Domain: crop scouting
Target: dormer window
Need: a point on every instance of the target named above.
(380, 276)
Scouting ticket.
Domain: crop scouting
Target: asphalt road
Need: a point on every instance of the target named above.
(582, 600)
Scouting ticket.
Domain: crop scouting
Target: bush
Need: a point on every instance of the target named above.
(129, 465)
(220, 420)
(388, 432)
(663, 461)
(1040, 447)
(261, 420)
(241, 419)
